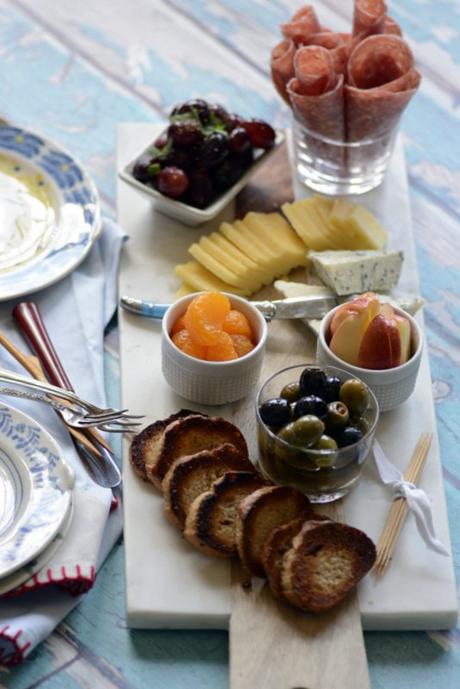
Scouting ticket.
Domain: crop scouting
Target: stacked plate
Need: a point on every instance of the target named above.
(35, 497)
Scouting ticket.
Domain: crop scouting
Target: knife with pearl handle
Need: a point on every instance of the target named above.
(315, 306)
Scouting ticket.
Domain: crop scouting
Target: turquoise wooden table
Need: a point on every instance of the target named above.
(72, 70)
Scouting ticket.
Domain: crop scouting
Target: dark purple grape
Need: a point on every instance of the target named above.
(227, 173)
(173, 182)
(142, 169)
(201, 191)
(311, 404)
(180, 157)
(196, 105)
(212, 150)
(233, 121)
(275, 412)
(262, 135)
(186, 133)
(238, 140)
(246, 158)
(161, 141)
(218, 112)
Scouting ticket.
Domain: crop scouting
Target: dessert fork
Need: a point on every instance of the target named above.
(110, 421)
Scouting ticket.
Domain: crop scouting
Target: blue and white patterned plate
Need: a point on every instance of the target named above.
(35, 489)
(52, 210)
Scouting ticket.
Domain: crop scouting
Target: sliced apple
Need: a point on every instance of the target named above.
(380, 345)
(355, 306)
(347, 338)
(405, 337)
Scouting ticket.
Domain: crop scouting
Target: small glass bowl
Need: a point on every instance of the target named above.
(338, 167)
(323, 475)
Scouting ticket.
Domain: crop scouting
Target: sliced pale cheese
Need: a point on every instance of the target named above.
(306, 224)
(184, 289)
(264, 248)
(195, 275)
(215, 267)
(245, 244)
(353, 272)
(231, 250)
(360, 226)
(274, 228)
(252, 275)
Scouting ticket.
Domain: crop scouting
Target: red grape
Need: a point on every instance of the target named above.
(173, 182)
(260, 133)
(200, 192)
(161, 141)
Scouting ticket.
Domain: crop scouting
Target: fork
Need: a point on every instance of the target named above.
(87, 407)
(111, 422)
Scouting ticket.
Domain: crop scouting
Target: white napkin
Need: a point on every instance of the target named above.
(417, 500)
(75, 311)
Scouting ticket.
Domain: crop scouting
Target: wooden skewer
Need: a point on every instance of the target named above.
(398, 510)
(33, 366)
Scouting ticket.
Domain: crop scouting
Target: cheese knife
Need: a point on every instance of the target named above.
(314, 306)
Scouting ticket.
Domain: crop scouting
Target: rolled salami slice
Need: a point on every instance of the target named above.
(314, 68)
(338, 45)
(390, 26)
(381, 82)
(282, 66)
(317, 99)
(302, 25)
(368, 17)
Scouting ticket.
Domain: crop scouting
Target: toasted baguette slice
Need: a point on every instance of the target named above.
(145, 444)
(279, 541)
(194, 474)
(210, 522)
(325, 562)
(261, 512)
(190, 435)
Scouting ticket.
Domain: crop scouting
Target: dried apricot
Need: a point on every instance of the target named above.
(236, 323)
(205, 317)
(178, 325)
(184, 342)
(222, 350)
(242, 344)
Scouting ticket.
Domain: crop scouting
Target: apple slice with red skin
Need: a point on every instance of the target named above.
(346, 340)
(381, 344)
(356, 306)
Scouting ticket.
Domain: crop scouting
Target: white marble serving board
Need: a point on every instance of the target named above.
(168, 583)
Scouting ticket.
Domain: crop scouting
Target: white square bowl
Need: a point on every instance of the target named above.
(182, 211)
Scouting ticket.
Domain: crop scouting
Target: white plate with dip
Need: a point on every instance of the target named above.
(49, 212)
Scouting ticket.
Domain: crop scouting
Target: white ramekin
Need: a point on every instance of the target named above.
(391, 386)
(212, 382)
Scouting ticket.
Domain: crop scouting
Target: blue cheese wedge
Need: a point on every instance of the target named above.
(353, 272)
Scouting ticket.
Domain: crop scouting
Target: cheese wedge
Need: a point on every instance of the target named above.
(252, 275)
(219, 270)
(231, 250)
(306, 224)
(276, 230)
(244, 243)
(200, 279)
(183, 290)
(358, 225)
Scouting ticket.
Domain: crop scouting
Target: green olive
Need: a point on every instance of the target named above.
(337, 416)
(291, 392)
(288, 434)
(308, 429)
(355, 394)
(325, 443)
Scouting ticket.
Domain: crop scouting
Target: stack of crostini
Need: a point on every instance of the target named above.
(215, 496)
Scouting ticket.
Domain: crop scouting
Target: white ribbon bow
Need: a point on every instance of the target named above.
(417, 499)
